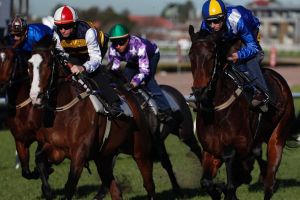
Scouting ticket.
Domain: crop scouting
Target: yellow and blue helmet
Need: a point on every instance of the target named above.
(213, 8)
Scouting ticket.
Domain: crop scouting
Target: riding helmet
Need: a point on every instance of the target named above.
(17, 25)
(118, 31)
(65, 15)
(213, 9)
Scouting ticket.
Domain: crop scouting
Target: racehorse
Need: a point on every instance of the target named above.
(182, 127)
(22, 120)
(79, 133)
(227, 129)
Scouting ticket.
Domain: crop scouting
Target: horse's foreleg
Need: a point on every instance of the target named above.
(23, 153)
(105, 170)
(228, 157)
(76, 168)
(210, 167)
(143, 156)
(40, 160)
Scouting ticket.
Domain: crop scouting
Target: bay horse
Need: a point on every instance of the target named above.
(80, 134)
(227, 129)
(21, 118)
(182, 126)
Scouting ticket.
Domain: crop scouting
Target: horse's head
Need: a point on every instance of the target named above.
(40, 71)
(208, 55)
(202, 56)
(8, 66)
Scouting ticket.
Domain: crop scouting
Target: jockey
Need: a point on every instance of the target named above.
(141, 57)
(22, 36)
(236, 22)
(80, 43)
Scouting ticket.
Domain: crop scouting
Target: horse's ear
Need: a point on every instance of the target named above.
(192, 33)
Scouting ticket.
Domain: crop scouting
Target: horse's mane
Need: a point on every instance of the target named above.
(46, 42)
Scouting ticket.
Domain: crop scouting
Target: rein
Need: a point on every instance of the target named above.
(229, 101)
(70, 104)
(209, 87)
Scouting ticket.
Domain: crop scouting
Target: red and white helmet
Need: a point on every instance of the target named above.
(65, 15)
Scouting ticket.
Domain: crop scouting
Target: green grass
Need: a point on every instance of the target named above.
(186, 166)
(187, 169)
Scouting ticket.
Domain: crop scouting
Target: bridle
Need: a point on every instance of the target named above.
(204, 95)
(13, 79)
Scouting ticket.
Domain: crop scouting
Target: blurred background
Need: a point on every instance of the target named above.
(166, 22)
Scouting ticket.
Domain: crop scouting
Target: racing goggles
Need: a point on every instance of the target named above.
(119, 42)
(65, 26)
(215, 20)
(17, 34)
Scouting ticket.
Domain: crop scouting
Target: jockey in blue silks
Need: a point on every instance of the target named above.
(23, 36)
(236, 22)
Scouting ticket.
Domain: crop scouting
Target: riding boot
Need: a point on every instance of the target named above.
(254, 84)
(259, 98)
(115, 109)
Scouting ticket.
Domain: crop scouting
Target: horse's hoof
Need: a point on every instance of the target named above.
(31, 175)
(101, 193)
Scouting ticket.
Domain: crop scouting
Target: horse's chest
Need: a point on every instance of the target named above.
(216, 137)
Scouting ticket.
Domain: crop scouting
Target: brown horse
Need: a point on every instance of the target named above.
(227, 129)
(21, 118)
(80, 134)
(182, 127)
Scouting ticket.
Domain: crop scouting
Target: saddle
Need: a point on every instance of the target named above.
(150, 102)
(99, 104)
(246, 84)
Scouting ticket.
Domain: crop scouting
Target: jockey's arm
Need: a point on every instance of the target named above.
(144, 68)
(93, 50)
(251, 46)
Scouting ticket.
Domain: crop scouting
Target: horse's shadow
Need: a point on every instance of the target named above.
(85, 190)
(169, 194)
(280, 183)
(81, 193)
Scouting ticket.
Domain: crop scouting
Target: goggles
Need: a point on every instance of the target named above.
(17, 34)
(119, 42)
(215, 20)
(65, 26)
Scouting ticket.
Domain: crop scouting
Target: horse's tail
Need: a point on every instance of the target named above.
(186, 126)
(293, 140)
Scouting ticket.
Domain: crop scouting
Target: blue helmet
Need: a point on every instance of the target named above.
(213, 8)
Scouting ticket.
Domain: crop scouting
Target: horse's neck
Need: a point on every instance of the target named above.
(19, 90)
(65, 91)
(225, 87)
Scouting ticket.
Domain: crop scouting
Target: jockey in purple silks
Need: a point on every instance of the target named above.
(141, 57)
